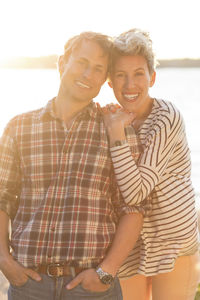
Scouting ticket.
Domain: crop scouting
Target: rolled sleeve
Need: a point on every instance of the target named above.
(9, 173)
(124, 157)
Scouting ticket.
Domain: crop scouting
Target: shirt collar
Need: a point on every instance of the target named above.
(47, 112)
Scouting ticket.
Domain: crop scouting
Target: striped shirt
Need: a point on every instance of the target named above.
(58, 186)
(162, 174)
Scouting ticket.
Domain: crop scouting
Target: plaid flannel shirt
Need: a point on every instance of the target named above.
(58, 187)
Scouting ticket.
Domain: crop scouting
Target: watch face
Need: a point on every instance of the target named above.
(120, 143)
(107, 279)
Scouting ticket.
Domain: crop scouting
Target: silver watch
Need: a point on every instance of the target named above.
(104, 277)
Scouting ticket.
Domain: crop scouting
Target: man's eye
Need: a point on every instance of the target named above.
(98, 70)
(118, 75)
(81, 62)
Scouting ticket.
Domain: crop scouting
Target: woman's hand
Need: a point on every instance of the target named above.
(114, 115)
(116, 119)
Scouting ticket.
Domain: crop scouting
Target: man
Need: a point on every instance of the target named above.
(57, 185)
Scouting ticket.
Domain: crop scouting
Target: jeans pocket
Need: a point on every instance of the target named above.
(107, 291)
(21, 286)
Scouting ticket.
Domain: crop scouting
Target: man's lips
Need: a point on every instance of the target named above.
(82, 85)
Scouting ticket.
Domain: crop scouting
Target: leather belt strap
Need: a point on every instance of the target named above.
(58, 270)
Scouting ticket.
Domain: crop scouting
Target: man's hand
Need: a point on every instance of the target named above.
(89, 281)
(16, 274)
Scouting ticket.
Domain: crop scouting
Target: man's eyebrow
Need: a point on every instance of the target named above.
(99, 66)
(138, 69)
(121, 70)
(86, 60)
(82, 58)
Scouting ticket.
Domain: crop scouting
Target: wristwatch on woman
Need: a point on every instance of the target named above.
(119, 143)
(104, 277)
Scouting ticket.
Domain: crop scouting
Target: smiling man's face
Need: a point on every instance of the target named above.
(84, 72)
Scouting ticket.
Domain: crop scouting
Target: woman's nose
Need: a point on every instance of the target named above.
(130, 83)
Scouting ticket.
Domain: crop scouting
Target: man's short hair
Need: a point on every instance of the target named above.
(102, 40)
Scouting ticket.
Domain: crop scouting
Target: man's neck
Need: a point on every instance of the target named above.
(67, 110)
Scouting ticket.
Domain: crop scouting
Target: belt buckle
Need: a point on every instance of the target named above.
(56, 265)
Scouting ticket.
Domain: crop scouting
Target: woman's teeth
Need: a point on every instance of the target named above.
(131, 97)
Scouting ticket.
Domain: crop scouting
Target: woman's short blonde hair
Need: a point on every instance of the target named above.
(134, 42)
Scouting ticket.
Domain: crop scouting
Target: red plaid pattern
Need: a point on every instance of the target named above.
(58, 187)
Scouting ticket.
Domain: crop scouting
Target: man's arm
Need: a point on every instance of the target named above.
(127, 233)
(9, 184)
(129, 228)
(13, 271)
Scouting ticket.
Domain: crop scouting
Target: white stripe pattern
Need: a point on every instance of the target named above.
(163, 174)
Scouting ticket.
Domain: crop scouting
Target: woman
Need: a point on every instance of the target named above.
(164, 264)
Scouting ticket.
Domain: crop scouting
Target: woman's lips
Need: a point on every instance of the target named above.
(130, 97)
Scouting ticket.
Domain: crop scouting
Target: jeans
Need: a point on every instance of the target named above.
(55, 289)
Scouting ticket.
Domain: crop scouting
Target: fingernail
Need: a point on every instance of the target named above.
(38, 278)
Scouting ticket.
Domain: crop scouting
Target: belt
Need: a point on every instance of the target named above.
(58, 270)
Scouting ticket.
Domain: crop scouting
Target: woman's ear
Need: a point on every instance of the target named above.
(153, 79)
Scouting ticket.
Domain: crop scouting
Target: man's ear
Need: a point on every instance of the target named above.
(110, 83)
(153, 79)
(61, 64)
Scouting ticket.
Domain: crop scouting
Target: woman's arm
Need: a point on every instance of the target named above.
(136, 181)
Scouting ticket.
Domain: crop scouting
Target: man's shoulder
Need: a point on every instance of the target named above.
(26, 116)
(23, 120)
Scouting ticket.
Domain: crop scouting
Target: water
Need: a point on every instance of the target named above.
(27, 89)
(24, 90)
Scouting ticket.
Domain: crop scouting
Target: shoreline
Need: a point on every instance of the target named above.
(50, 62)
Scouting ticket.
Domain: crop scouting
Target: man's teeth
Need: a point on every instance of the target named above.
(131, 97)
(82, 85)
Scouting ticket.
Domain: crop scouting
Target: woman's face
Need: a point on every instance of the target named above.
(130, 81)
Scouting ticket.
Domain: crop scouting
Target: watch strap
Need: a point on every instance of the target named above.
(104, 277)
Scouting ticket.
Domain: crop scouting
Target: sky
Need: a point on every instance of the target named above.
(41, 27)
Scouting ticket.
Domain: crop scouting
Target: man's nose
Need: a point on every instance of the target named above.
(88, 72)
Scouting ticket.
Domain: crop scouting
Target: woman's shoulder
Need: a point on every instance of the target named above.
(165, 112)
(164, 119)
(166, 107)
